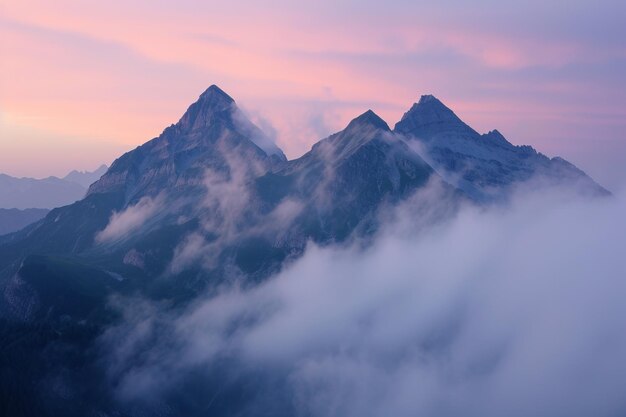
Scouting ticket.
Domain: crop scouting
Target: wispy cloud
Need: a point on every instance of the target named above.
(130, 219)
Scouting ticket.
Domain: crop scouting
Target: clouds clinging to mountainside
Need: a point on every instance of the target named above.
(514, 310)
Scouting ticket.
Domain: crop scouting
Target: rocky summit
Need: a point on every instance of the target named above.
(485, 166)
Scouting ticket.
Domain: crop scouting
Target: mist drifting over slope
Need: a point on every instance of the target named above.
(513, 310)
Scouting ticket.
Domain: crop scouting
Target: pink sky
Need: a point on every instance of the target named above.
(83, 81)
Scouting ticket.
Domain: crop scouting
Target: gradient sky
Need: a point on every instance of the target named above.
(83, 81)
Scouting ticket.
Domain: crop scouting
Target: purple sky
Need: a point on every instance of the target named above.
(83, 81)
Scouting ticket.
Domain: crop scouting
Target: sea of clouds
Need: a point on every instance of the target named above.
(514, 310)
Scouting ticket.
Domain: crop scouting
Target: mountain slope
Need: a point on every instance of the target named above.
(484, 166)
(12, 220)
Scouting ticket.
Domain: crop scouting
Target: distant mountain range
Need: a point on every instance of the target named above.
(213, 198)
(86, 178)
(12, 220)
(26, 200)
(47, 193)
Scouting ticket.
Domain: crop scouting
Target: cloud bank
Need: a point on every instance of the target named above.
(515, 311)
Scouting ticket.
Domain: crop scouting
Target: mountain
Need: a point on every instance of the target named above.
(213, 198)
(23, 193)
(46, 193)
(12, 220)
(484, 166)
(211, 132)
(212, 202)
(164, 191)
(345, 178)
(205, 186)
(86, 178)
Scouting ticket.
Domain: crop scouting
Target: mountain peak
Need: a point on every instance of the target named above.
(496, 135)
(212, 104)
(369, 118)
(360, 131)
(215, 93)
(430, 103)
(429, 98)
(430, 117)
